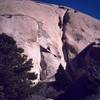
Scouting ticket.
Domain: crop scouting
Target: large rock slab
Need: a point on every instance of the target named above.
(80, 30)
(34, 25)
(38, 28)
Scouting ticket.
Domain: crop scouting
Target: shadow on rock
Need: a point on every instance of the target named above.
(82, 76)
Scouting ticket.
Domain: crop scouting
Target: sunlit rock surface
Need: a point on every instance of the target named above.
(49, 34)
(35, 24)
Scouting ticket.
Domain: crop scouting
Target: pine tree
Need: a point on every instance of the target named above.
(15, 79)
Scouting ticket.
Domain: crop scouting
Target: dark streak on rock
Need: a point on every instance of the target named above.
(78, 37)
(60, 24)
(42, 49)
(82, 30)
(66, 19)
(61, 7)
(44, 67)
(7, 15)
(75, 11)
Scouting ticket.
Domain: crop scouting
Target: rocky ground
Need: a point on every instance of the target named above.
(49, 34)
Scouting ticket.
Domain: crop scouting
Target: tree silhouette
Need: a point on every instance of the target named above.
(62, 77)
(15, 79)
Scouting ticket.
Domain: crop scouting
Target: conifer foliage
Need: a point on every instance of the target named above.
(15, 79)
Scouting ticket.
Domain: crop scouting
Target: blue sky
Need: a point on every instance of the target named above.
(90, 7)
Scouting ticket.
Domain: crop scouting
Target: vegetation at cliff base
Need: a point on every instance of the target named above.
(15, 79)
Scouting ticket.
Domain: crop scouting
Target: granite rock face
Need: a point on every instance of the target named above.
(49, 34)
